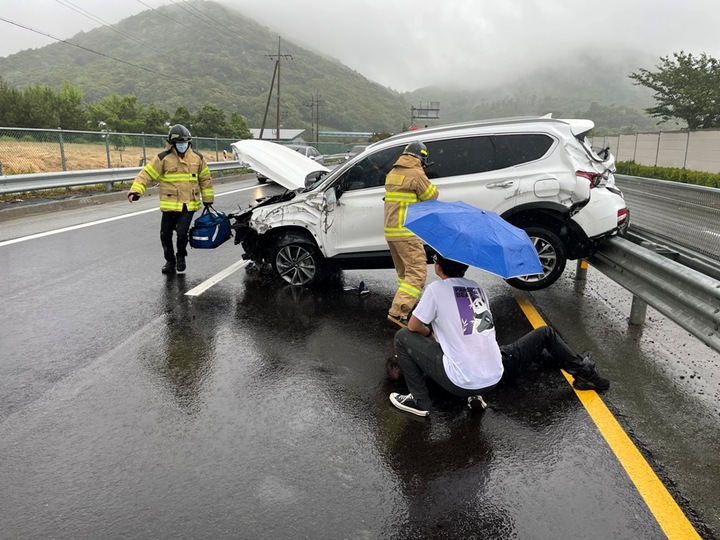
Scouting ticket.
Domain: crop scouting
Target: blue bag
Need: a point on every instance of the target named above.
(210, 229)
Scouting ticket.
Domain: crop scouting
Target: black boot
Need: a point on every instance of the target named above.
(180, 263)
(169, 268)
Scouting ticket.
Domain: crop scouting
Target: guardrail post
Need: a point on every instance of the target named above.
(638, 310)
(582, 269)
(62, 151)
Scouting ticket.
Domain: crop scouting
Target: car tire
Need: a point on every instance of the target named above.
(298, 261)
(551, 252)
(261, 179)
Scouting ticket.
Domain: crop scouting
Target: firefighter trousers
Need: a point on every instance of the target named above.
(411, 266)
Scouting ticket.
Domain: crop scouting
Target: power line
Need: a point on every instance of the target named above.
(155, 73)
(94, 18)
(169, 17)
(221, 25)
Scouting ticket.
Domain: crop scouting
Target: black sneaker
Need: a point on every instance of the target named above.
(476, 403)
(181, 263)
(407, 403)
(591, 382)
(402, 322)
(169, 268)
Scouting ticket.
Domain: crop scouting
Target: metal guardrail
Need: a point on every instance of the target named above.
(18, 183)
(683, 216)
(685, 296)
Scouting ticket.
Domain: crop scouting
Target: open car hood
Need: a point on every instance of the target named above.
(276, 162)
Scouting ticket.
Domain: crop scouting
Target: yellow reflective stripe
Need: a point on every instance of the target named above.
(176, 206)
(138, 187)
(151, 171)
(207, 193)
(179, 177)
(204, 172)
(428, 193)
(171, 205)
(410, 290)
(400, 196)
(402, 214)
(397, 232)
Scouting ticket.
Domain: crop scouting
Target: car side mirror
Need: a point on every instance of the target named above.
(331, 197)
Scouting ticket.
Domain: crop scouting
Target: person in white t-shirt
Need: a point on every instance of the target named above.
(451, 339)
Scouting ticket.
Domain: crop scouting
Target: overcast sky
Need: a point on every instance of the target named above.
(408, 44)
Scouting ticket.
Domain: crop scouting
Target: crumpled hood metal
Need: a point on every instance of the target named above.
(276, 162)
(303, 211)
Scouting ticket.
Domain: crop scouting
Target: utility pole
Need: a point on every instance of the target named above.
(277, 57)
(315, 116)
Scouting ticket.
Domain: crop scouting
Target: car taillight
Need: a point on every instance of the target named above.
(591, 176)
(622, 216)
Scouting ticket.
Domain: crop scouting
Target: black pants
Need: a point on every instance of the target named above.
(420, 357)
(180, 223)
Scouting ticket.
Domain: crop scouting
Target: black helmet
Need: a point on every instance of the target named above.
(179, 133)
(417, 149)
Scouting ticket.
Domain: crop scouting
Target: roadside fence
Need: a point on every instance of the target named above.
(697, 150)
(29, 151)
(32, 151)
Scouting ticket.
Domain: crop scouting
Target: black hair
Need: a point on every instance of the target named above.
(449, 267)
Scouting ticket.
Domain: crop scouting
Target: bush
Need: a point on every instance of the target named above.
(672, 174)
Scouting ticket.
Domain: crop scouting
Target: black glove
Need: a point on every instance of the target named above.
(133, 196)
(207, 204)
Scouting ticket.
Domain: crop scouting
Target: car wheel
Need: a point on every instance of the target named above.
(298, 261)
(261, 179)
(551, 252)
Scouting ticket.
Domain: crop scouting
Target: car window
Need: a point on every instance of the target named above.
(522, 148)
(454, 157)
(370, 171)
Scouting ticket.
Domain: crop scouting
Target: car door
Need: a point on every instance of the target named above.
(357, 223)
(470, 169)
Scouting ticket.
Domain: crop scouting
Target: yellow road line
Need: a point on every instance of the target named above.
(668, 514)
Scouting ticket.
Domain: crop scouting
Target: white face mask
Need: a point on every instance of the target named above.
(182, 147)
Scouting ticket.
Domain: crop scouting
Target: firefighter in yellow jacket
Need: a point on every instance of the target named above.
(184, 179)
(406, 184)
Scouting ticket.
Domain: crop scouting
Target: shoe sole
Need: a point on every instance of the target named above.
(416, 412)
(477, 404)
(396, 321)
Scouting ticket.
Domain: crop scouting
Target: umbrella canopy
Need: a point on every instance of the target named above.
(474, 237)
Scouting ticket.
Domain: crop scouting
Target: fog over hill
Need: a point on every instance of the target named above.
(231, 66)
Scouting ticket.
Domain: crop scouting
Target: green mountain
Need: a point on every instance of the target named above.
(211, 54)
(201, 52)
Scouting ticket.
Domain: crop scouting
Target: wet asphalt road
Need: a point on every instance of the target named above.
(256, 410)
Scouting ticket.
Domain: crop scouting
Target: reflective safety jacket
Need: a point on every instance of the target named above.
(405, 184)
(183, 180)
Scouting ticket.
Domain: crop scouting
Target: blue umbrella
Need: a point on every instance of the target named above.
(474, 237)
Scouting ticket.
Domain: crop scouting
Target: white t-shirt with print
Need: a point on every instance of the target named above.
(459, 311)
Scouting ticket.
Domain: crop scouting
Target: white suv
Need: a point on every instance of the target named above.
(540, 174)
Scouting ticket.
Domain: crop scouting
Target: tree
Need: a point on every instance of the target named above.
(182, 116)
(71, 107)
(210, 122)
(686, 87)
(117, 113)
(238, 128)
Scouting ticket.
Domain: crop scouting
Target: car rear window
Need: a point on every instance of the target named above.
(472, 155)
(517, 149)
